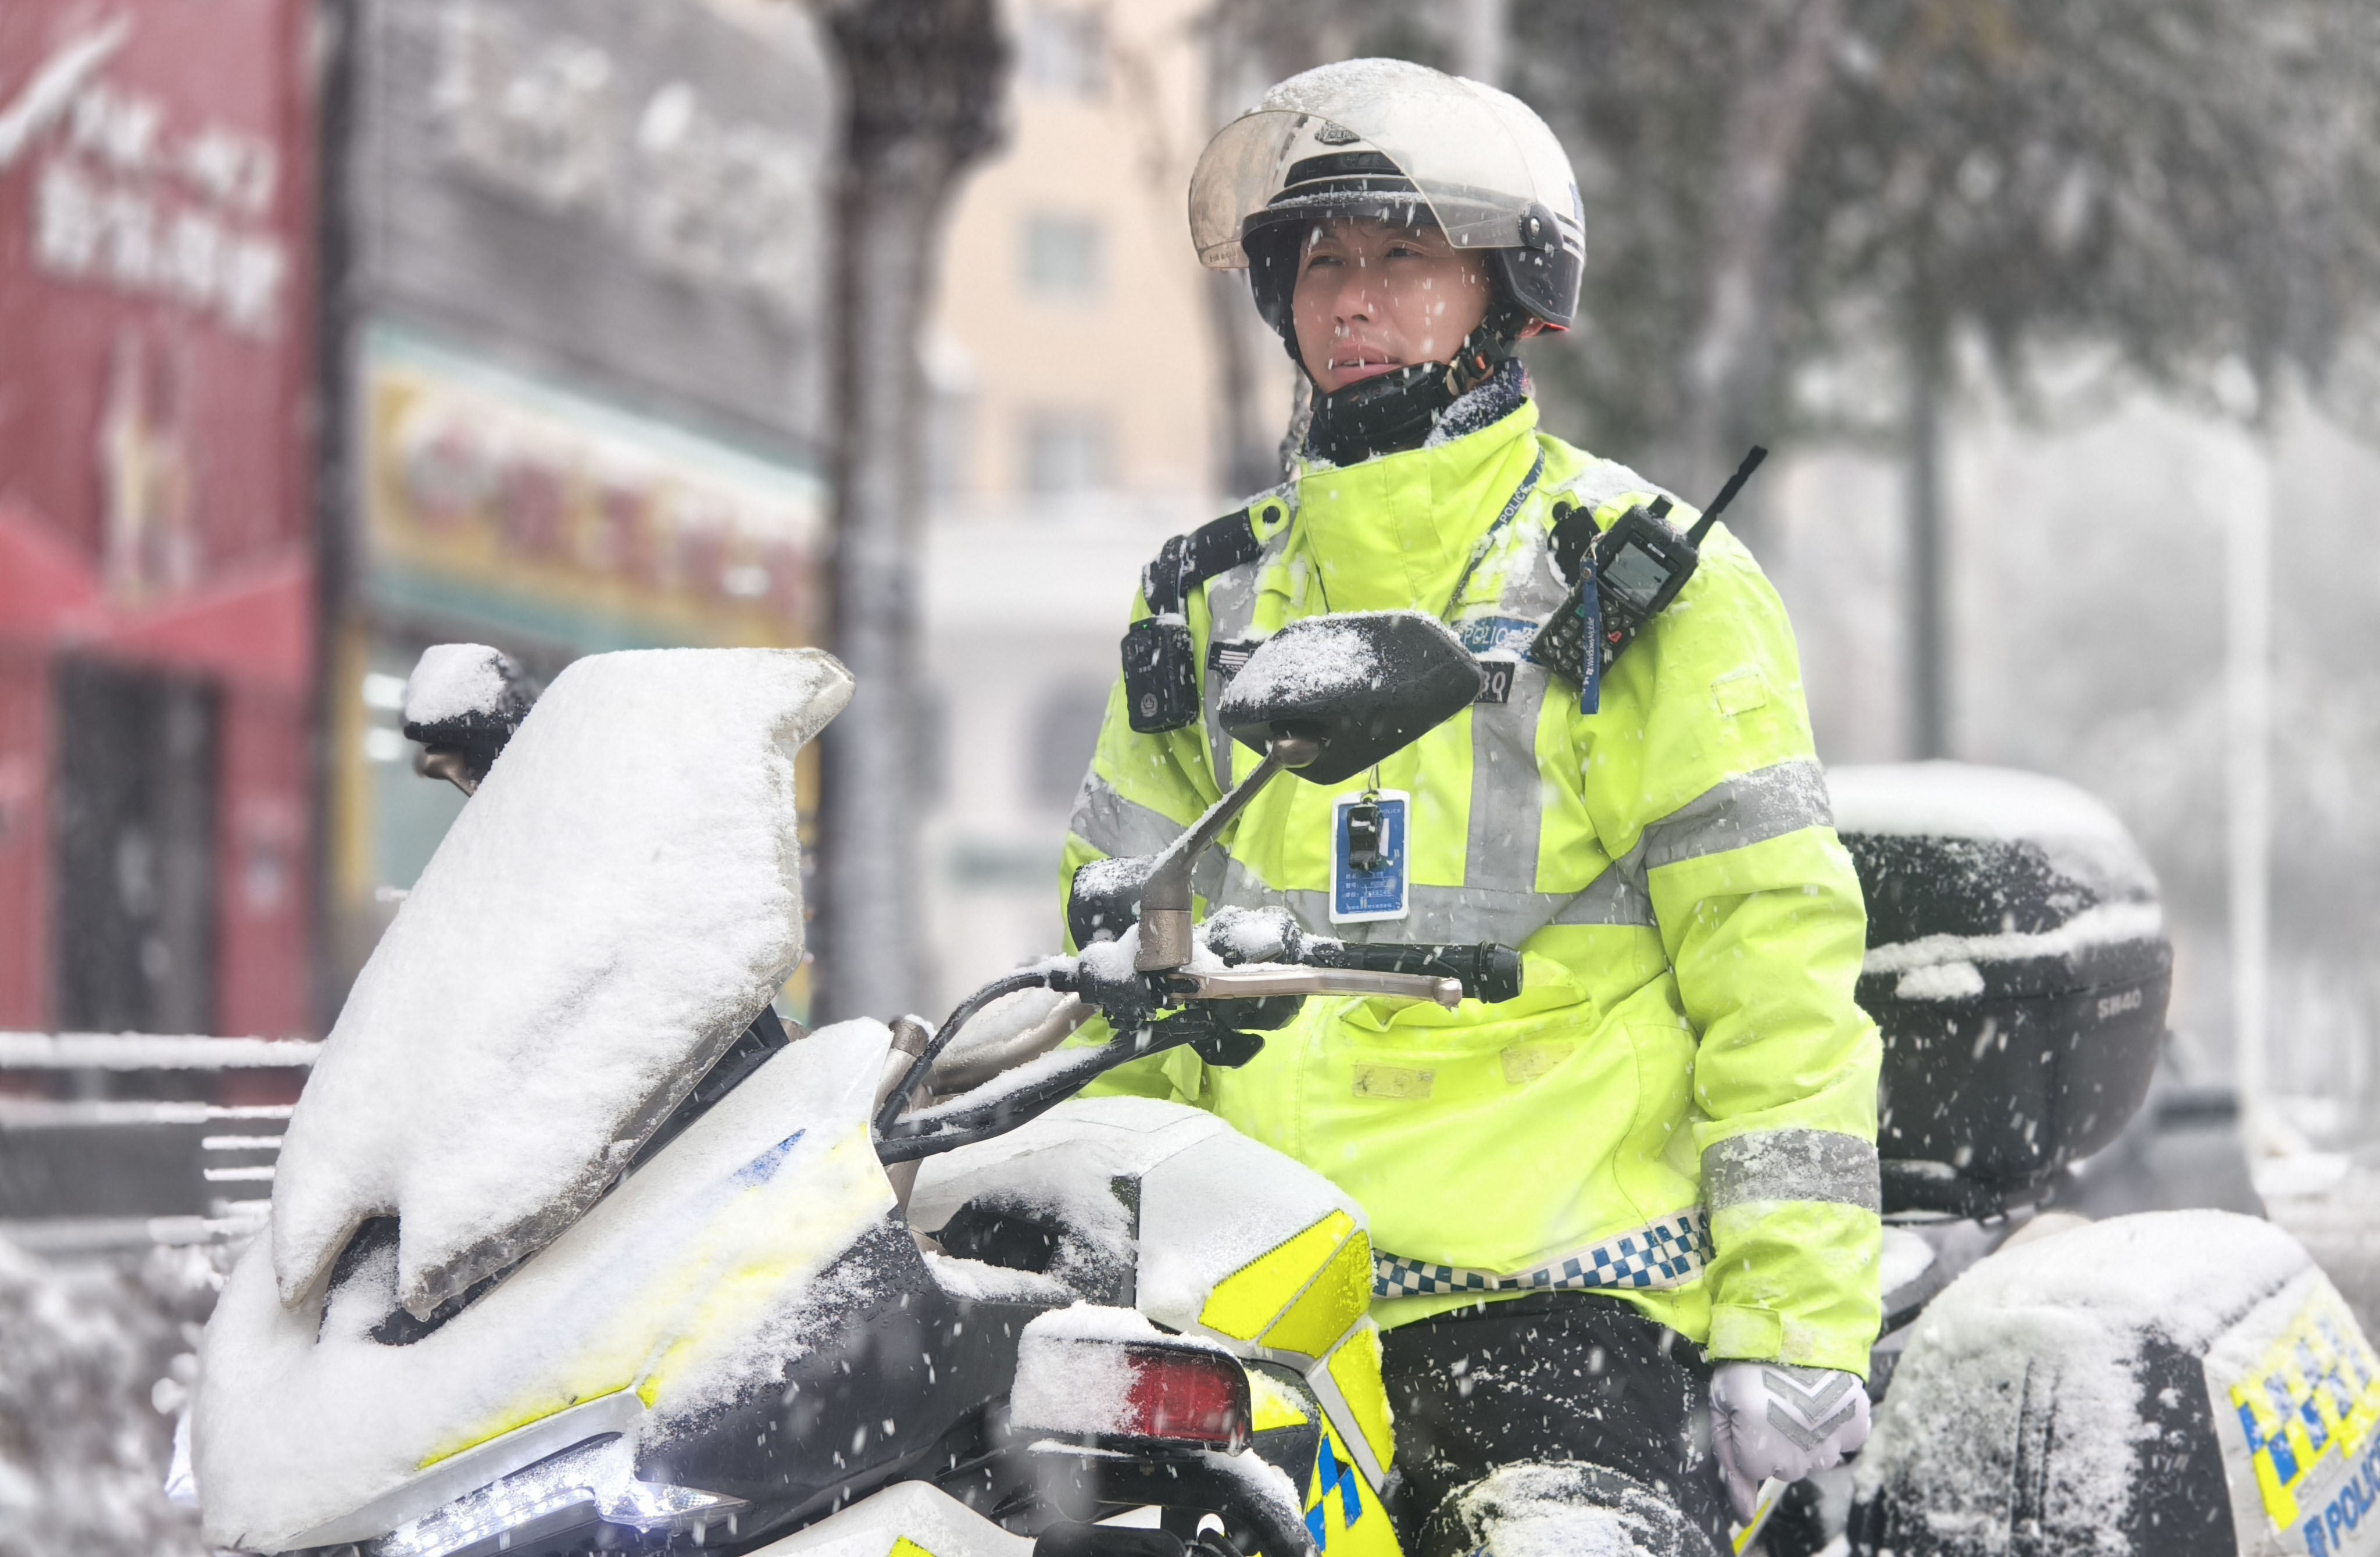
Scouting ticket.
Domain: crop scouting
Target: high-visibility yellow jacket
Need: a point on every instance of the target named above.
(1681, 1106)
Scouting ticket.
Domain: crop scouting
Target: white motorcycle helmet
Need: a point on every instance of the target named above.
(1385, 141)
(1389, 140)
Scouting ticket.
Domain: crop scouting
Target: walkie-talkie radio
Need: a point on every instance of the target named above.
(1620, 579)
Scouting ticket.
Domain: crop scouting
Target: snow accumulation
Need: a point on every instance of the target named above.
(621, 896)
(1259, 1478)
(1941, 981)
(972, 1280)
(1569, 1511)
(1310, 658)
(1943, 967)
(93, 1366)
(695, 1280)
(1011, 1016)
(1258, 934)
(1099, 877)
(1006, 1084)
(929, 1519)
(1346, 81)
(1111, 961)
(1074, 1377)
(1210, 1200)
(2081, 837)
(454, 679)
(1906, 1257)
(134, 1051)
(2058, 1326)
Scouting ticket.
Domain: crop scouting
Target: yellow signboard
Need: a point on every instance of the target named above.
(488, 495)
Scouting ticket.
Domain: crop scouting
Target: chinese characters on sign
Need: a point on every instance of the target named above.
(126, 197)
(540, 114)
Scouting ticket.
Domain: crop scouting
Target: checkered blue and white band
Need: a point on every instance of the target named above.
(1667, 1253)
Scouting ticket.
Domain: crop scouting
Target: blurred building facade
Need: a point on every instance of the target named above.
(332, 331)
(157, 587)
(1071, 359)
(578, 374)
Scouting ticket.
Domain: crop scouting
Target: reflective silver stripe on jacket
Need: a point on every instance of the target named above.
(1667, 1253)
(1507, 788)
(1114, 825)
(1762, 1165)
(1749, 809)
(1231, 612)
(1438, 913)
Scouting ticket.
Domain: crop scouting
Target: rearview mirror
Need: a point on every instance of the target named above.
(1326, 698)
(1361, 687)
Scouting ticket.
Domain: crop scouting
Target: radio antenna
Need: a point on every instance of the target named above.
(1727, 493)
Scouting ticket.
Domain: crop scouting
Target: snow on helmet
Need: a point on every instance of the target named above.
(1385, 139)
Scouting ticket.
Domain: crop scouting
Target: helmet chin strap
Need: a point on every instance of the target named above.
(1395, 411)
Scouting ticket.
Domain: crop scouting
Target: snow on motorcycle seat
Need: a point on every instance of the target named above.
(2018, 965)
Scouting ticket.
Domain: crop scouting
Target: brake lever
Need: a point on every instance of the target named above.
(1258, 982)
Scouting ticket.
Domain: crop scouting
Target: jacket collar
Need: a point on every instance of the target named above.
(1395, 532)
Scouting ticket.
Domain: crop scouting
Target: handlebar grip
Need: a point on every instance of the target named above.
(1486, 971)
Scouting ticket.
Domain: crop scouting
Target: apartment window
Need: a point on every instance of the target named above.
(1065, 452)
(1061, 256)
(1062, 51)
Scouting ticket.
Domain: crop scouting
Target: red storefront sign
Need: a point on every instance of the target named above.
(156, 213)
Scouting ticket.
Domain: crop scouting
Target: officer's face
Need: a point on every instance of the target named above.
(1372, 297)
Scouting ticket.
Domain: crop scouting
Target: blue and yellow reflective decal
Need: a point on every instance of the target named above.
(1343, 1512)
(2314, 1393)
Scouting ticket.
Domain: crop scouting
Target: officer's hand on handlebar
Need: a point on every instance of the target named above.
(1769, 1419)
(1486, 971)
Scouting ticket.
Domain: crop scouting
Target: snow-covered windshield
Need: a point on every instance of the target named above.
(618, 900)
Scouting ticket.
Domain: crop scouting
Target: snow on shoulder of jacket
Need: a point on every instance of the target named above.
(615, 903)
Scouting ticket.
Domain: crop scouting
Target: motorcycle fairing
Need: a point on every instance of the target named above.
(1342, 1509)
(1230, 1240)
(2295, 1389)
(618, 900)
(906, 1519)
(681, 1289)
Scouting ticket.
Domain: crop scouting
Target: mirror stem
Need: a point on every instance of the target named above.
(1165, 896)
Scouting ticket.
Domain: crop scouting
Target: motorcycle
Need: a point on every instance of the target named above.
(2175, 1378)
(565, 1258)
(576, 1245)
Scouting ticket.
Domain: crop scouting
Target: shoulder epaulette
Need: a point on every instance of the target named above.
(1160, 663)
(1213, 549)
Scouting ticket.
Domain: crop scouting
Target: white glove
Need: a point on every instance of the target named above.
(1771, 1419)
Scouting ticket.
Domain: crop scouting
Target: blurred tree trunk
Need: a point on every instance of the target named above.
(923, 80)
(1783, 52)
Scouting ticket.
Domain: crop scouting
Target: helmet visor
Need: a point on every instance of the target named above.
(1478, 158)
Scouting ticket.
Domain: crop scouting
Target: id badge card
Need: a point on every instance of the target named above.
(1369, 869)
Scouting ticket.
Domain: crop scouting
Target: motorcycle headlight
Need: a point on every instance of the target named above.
(587, 1484)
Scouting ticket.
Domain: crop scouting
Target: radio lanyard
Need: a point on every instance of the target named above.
(1487, 542)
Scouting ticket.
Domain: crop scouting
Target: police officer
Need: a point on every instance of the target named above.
(1627, 1223)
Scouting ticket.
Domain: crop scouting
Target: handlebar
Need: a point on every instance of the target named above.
(1259, 983)
(1214, 1005)
(1486, 971)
